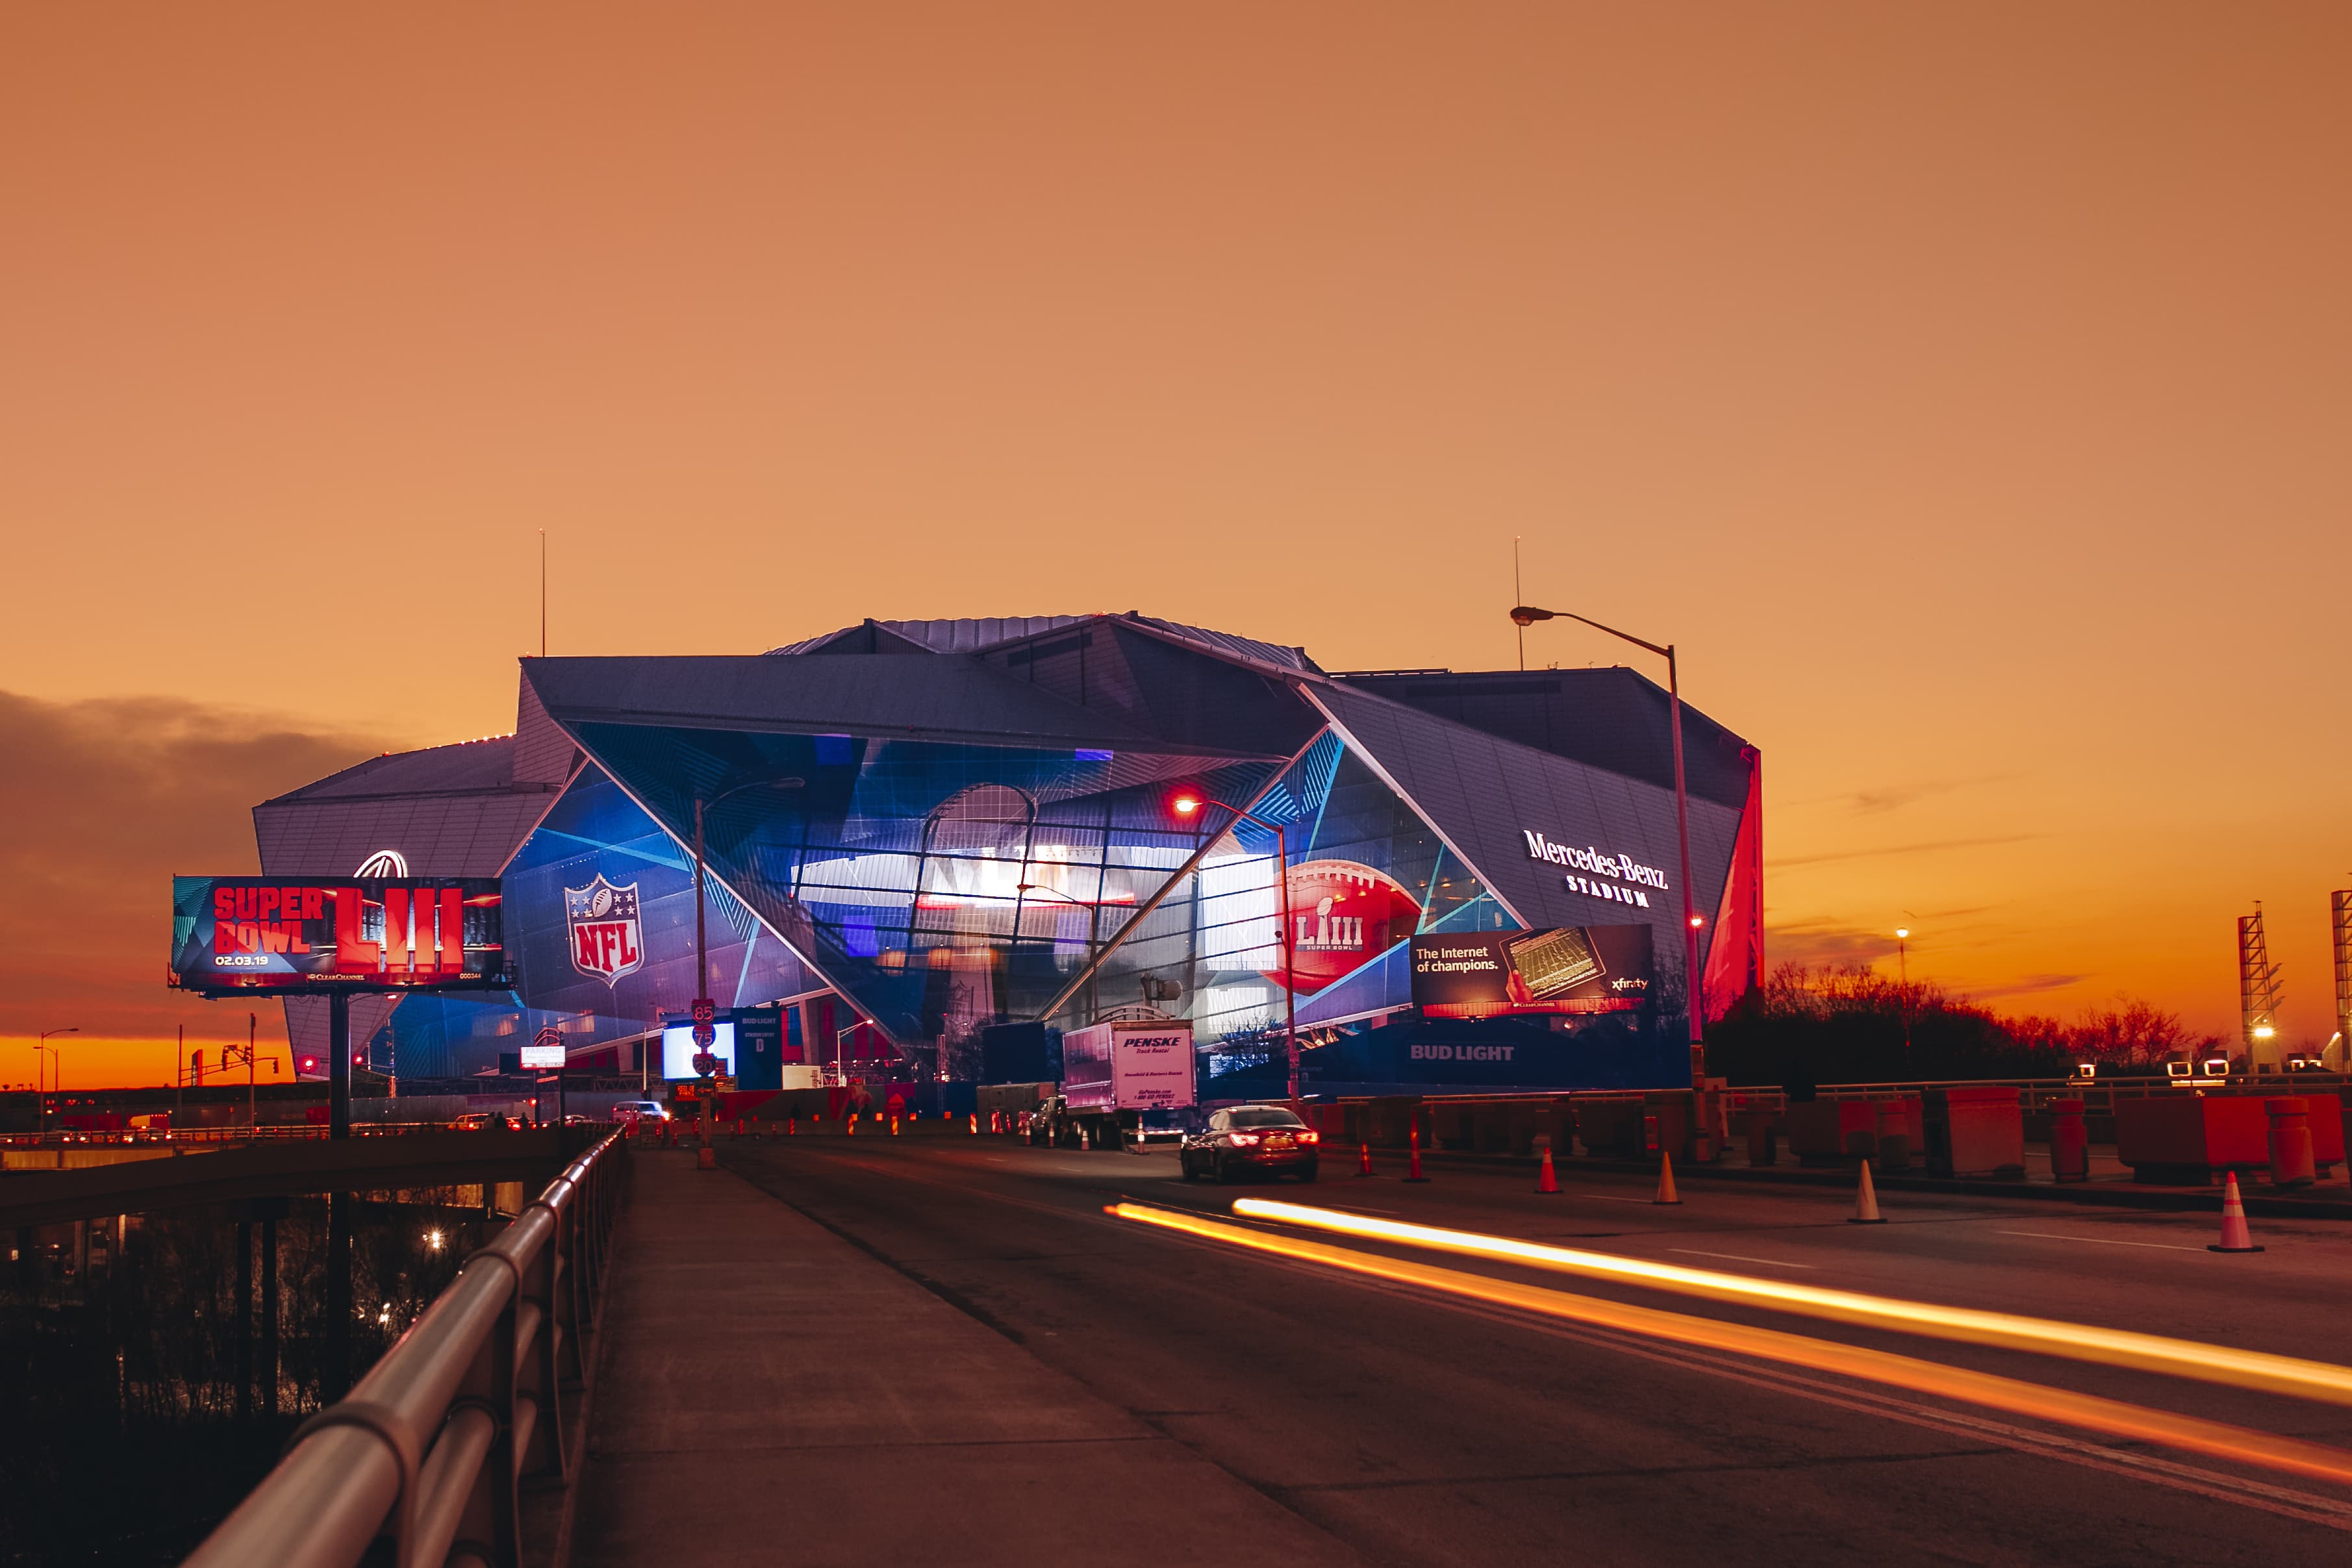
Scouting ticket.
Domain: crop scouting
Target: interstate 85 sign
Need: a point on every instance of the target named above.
(236, 933)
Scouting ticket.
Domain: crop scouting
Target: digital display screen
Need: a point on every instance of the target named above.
(241, 932)
(678, 1050)
(1557, 969)
(543, 1056)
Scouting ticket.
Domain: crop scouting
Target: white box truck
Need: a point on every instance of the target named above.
(1112, 1074)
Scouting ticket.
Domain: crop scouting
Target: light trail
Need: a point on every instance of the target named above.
(2315, 1380)
(2086, 1411)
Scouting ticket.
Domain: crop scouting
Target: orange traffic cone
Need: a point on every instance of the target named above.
(975, 1124)
(1363, 1159)
(1865, 1202)
(894, 1127)
(853, 1124)
(1413, 1173)
(1546, 1181)
(792, 1126)
(2236, 1237)
(1666, 1193)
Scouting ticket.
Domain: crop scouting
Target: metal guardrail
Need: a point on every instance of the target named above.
(430, 1447)
(267, 1132)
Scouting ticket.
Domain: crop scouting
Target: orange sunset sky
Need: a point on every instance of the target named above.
(1966, 389)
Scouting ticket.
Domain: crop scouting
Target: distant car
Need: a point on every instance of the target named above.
(1251, 1137)
(485, 1121)
(639, 1111)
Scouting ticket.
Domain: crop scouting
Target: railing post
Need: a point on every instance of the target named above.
(536, 1377)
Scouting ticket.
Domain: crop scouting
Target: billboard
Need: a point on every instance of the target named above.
(231, 933)
(1557, 968)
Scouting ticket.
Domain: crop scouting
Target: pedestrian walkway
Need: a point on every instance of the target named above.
(772, 1393)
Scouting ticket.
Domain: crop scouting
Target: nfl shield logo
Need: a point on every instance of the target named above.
(606, 940)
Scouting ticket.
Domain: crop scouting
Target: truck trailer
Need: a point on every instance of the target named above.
(1112, 1074)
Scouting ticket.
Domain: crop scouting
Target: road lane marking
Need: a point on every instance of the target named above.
(2222, 1485)
(2101, 1240)
(2090, 1411)
(2243, 1490)
(1741, 1258)
(2080, 1341)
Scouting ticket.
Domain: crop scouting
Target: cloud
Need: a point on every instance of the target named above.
(2026, 985)
(1817, 944)
(100, 802)
(1783, 863)
(1872, 802)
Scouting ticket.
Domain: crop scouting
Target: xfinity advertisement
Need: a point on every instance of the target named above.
(1560, 969)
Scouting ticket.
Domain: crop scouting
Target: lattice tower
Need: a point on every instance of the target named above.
(2258, 988)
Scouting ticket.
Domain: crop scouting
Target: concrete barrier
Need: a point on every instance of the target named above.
(2188, 1139)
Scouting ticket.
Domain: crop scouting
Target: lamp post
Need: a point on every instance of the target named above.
(1186, 805)
(1903, 987)
(38, 1046)
(705, 1030)
(1527, 615)
(1094, 917)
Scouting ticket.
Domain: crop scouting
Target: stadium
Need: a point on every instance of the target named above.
(913, 830)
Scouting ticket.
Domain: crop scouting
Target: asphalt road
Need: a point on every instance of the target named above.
(1414, 1428)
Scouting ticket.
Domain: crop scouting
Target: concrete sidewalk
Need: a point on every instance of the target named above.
(769, 1392)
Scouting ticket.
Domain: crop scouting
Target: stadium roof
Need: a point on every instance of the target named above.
(978, 633)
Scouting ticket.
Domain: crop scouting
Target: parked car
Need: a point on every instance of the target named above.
(486, 1122)
(639, 1111)
(1251, 1137)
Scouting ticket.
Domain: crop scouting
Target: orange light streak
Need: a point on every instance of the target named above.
(2321, 1381)
(2086, 1411)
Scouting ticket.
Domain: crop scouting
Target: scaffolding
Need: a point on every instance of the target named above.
(2258, 990)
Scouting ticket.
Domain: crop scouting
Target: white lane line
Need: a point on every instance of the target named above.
(2101, 1240)
(1610, 1198)
(1740, 1258)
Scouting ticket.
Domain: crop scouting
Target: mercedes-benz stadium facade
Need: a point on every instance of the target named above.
(913, 830)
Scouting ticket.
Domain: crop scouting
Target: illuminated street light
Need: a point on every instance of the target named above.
(1524, 615)
(1185, 805)
(1903, 996)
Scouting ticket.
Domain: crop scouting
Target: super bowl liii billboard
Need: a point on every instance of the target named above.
(234, 933)
(1560, 969)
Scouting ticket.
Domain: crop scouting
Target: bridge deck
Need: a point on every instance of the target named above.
(771, 1392)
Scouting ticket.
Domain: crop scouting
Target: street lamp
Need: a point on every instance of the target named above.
(1902, 984)
(705, 1010)
(1186, 805)
(38, 1046)
(1094, 919)
(1526, 616)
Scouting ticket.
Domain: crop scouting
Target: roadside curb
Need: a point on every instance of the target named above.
(2172, 1200)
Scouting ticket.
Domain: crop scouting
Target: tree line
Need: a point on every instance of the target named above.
(1848, 1024)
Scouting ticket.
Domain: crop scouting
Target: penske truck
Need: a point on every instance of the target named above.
(1111, 1074)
